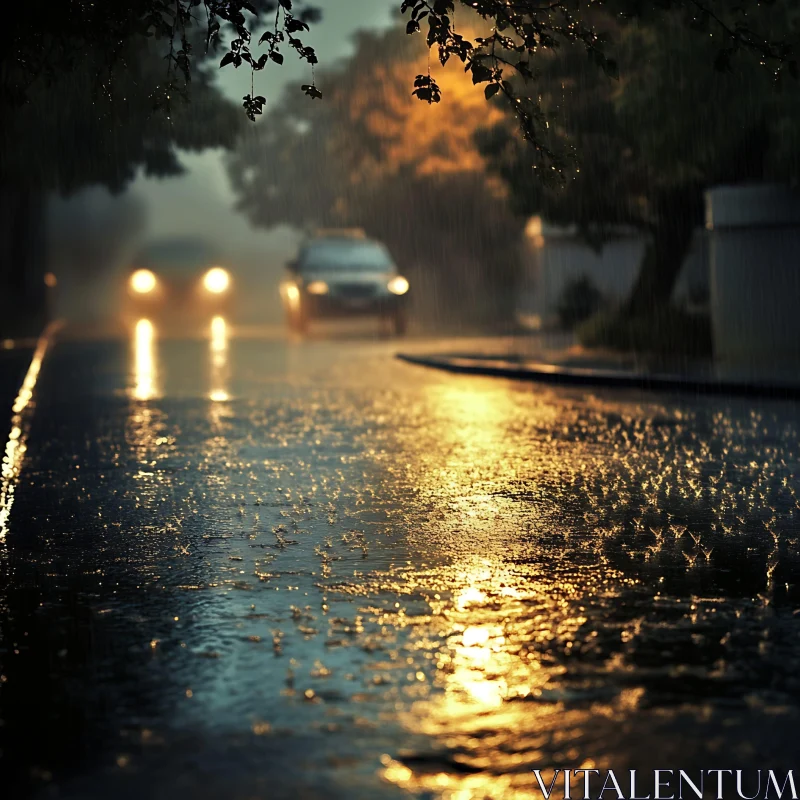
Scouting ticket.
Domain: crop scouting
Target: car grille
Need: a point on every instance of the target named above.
(356, 289)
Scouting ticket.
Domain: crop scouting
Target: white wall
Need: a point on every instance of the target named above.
(553, 257)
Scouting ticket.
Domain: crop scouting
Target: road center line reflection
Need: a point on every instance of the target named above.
(16, 445)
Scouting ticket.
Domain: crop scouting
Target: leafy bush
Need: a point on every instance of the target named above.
(665, 331)
(578, 301)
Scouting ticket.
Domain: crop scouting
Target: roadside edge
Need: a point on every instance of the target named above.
(600, 378)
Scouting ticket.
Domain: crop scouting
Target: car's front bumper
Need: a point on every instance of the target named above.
(332, 306)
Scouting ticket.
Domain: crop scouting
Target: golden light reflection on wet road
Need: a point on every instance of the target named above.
(159, 367)
(218, 346)
(496, 705)
(145, 362)
(555, 512)
(145, 419)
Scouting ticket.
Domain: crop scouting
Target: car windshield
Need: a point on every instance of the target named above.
(345, 255)
(176, 255)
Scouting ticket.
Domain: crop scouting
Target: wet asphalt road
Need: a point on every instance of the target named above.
(248, 568)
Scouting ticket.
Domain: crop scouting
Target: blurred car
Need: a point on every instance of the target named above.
(343, 273)
(178, 281)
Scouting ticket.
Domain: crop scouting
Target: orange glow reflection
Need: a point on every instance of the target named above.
(495, 696)
(144, 359)
(218, 348)
(498, 700)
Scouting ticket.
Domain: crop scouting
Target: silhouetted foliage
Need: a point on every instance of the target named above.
(72, 132)
(519, 35)
(44, 43)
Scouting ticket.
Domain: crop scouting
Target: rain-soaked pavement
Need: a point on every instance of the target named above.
(245, 568)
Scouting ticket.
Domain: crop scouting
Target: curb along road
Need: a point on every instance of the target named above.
(600, 378)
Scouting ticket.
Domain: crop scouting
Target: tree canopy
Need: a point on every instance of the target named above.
(74, 131)
(647, 145)
(256, 33)
(78, 128)
(371, 156)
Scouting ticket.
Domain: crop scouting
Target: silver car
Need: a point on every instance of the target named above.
(344, 274)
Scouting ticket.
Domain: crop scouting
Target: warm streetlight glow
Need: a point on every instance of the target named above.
(144, 360)
(217, 280)
(143, 281)
(317, 287)
(398, 285)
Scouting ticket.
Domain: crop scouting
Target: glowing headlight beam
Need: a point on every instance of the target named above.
(143, 281)
(398, 285)
(216, 280)
(292, 295)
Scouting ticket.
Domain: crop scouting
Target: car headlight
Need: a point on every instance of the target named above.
(143, 281)
(317, 287)
(292, 293)
(216, 280)
(398, 285)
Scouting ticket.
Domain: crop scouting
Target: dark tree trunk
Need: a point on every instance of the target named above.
(678, 212)
(23, 299)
